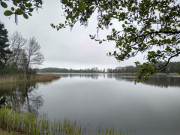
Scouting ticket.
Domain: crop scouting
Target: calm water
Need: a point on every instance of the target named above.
(99, 101)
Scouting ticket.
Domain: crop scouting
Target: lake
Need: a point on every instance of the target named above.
(99, 101)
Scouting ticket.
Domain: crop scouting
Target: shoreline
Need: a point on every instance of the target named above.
(133, 74)
(12, 79)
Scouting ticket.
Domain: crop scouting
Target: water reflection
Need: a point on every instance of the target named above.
(164, 81)
(159, 81)
(100, 101)
(21, 95)
(82, 75)
(104, 101)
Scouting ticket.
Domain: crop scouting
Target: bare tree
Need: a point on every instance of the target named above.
(26, 53)
(17, 43)
(33, 56)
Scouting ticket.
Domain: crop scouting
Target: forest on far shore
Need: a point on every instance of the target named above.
(171, 68)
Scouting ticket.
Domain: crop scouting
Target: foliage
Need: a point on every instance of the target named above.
(20, 7)
(145, 26)
(4, 50)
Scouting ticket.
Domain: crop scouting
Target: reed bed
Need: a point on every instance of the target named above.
(26, 123)
(46, 77)
(32, 125)
(33, 78)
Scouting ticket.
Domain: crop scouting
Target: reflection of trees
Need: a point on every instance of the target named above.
(160, 81)
(82, 75)
(164, 81)
(26, 96)
(121, 77)
(22, 95)
(33, 101)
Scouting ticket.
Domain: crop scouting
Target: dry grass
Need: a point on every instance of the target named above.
(33, 78)
(46, 77)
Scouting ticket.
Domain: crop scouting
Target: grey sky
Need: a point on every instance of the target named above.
(65, 48)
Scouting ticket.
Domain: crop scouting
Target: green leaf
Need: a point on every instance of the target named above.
(31, 9)
(22, 7)
(8, 13)
(4, 5)
(158, 51)
(12, 8)
(25, 16)
(28, 5)
(64, 1)
(19, 11)
(30, 14)
(174, 38)
(15, 2)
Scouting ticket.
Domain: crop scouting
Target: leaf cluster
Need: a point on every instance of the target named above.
(21, 7)
(151, 26)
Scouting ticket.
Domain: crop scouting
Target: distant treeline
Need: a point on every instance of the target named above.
(128, 69)
(172, 67)
(64, 70)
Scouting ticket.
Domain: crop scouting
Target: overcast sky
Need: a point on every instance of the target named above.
(65, 48)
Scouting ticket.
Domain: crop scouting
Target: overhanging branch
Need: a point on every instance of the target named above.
(157, 32)
(164, 66)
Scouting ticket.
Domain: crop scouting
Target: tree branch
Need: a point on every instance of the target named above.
(157, 32)
(175, 55)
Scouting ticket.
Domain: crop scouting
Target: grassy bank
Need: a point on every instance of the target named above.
(27, 123)
(19, 78)
(18, 123)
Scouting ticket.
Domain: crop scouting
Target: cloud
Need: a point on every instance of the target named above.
(65, 48)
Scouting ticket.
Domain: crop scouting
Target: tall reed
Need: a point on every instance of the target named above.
(30, 124)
